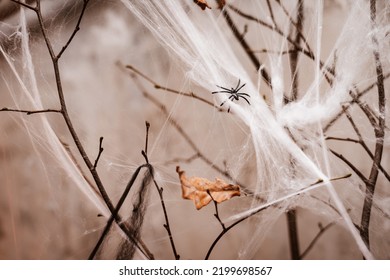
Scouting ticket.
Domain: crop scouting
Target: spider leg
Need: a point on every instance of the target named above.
(233, 97)
(237, 90)
(223, 102)
(243, 97)
(222, 91)
(224, 88)
(243, 93)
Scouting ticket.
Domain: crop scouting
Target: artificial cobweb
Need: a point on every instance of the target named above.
(160, 61)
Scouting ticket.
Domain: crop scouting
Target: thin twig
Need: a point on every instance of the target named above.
(327, 203)
(245, 46)
(271, 27)
(299, 30)
(67, 119)
(294, 56)
(343, 139)
(116, 213)
(275, 52)
(182, 159)
(160, 193)
(186, 137)
(30, 112)
(322, 230)
(271, 12)
(216, 215)
(158, 86)
(307, 52)
(76, 29)
(357, 171)
(136, 218)
(76, 163)
(147, 124)
(364, 145)
(370, 114)
(25, 5)
(355, 98)
(260, 209)
(379, 134)
(293, 234)
(166, 225)
(294, 59)
(101, 149)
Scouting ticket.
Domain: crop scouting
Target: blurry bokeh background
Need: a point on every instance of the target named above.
(48, 212)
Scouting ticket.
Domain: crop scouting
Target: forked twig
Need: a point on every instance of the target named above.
(101, 149)
(186, 137)
(360, 141)
(216, 215)
(116, 213)
(294, 59)
(262, 208)
(30, 112)
(158, 86)
(160, 193)
(353, 167)
(354, 100)
(322, 230)
(347, 139)
(274, 27)
(379, 134)
(245, 46)
(182, 159)
(64, 110)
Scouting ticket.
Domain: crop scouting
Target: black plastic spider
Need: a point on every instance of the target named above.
(234, 93)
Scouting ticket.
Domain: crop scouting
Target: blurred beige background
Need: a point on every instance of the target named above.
(43, 213)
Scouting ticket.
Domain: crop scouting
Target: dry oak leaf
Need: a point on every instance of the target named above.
(202, 4)
(202, 191)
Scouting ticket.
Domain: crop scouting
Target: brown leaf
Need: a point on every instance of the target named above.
(202, 191)
(202, 4)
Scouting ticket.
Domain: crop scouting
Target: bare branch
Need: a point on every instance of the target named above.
(357, 171)
(245, 46)
(271, 27)
(322, 230)
(166, 225)
(293, 234)
(294, 56)
(307, 52)
(354, 100)
(30, 112)
(160, 191)
(72, 131)
(101, 149)
(157, 86)
(115, 213)
(186, 137)
(147, 124)
(275, 52)
(260, 209)
(271, 12)
(76, 29)
(343, 139)
(216, 215)
(364, 145)
(25, 5)
(379, 134)
(182, 159)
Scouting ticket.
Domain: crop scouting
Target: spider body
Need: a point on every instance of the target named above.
(235, 93)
